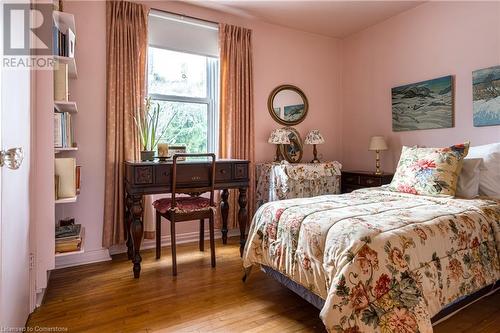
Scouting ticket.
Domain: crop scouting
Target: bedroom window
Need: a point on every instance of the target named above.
(184, 78)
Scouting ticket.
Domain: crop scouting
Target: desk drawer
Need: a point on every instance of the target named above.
(223, 172)
(163, 174)
(195, 173)
(241, 171)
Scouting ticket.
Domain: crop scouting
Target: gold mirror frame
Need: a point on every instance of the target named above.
(271, 109)
(296, 140)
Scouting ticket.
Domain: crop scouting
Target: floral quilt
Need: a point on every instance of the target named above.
(383, 261)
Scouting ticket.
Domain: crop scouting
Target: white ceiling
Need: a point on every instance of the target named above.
(330, 18)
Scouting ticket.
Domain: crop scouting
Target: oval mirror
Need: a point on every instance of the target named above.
(287, 105)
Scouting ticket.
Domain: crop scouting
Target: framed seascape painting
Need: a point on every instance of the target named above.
(423, 105)
(486, 96)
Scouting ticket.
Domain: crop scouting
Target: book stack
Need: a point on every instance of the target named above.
(63, 130)
(63, 43)
(61, 87)
(69, 238)
(67, 178)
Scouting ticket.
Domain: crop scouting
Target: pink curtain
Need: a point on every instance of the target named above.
(126, 46)
(236, 138)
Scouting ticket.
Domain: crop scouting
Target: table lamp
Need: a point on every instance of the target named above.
(279, 136)
(314, 138)
(378, 144)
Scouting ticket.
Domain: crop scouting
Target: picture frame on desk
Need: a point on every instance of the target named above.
(176, 149)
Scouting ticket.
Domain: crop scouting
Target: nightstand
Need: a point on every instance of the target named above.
(354, 180)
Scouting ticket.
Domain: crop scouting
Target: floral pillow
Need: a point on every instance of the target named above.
(429, 171)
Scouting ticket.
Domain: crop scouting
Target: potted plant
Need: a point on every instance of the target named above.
(149, 132)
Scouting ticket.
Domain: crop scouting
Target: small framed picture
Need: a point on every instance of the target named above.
(177, 149)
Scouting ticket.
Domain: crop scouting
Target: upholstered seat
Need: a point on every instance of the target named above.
(182, 204)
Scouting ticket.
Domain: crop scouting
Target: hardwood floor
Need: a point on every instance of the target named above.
(104, 297)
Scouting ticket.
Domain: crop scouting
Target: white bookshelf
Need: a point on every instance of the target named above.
(64, 21)
(67, 200)
(61, 150)
(66, 106)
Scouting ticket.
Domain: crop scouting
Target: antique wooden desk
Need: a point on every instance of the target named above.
(155, 177)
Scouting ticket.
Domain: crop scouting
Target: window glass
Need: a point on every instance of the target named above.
(186, 124)
(176, 73)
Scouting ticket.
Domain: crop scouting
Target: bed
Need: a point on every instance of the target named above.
(378, 260)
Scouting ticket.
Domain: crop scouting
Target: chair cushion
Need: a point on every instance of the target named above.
(182, 204)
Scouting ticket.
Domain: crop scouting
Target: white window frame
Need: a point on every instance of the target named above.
(211, 99)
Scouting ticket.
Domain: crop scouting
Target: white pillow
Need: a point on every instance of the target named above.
(489, 179)
(468, 180)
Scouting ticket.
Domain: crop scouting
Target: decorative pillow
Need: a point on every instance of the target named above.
(489, 178)
(468, 180)
(429, 171)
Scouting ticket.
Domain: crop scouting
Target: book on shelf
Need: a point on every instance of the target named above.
(68, 231)
(63, 43)
(70, 43)
(69, 238)
(78, 178)
(65, 169)
(63, 130)
(63, 186)
(58, 130)
(61, 91)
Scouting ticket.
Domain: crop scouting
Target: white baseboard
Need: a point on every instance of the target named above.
(86, 257)
(39, 297)
(94, 256)
(187, 237)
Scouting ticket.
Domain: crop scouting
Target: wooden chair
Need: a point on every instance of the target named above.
(178, 209)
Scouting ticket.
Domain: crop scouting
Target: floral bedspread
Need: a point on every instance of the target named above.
(278, 181)
(383, 261)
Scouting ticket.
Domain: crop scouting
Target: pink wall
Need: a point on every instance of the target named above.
(432, 40)
(281, 55)
(89, 91)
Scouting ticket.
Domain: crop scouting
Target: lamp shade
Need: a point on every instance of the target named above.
(279, 136)
(377, 143)
(314, 137)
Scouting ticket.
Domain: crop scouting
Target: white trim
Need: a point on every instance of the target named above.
(187, 237)
(89, 257)
(84, 258)
(184, 19)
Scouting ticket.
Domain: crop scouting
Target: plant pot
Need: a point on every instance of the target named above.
(147, 155)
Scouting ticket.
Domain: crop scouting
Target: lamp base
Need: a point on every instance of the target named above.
(278, 158)
(315, 155)
(378, 172)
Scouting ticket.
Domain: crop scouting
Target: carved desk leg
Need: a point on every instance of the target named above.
(128, 222)
(224, 209)
(242, 217)
(136, 230)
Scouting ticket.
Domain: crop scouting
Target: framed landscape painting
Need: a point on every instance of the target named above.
(423, 105)
(486, 96)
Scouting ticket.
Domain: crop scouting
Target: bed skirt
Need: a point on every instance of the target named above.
(318, 302)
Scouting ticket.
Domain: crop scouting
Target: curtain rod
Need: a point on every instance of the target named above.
(186, 16)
